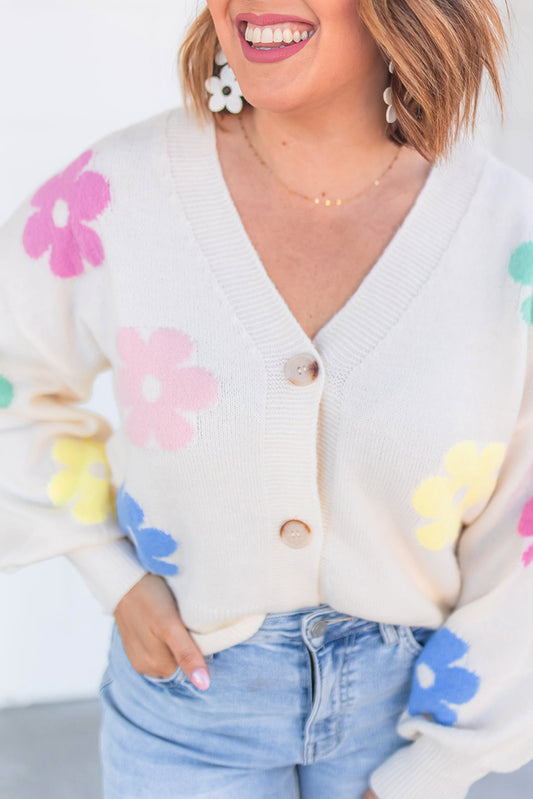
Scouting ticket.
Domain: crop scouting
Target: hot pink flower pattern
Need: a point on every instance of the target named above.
(525, 528)
(66, 201)
(156, 388)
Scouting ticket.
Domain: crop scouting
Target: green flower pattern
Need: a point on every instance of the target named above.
(521, 270)
(6, 392)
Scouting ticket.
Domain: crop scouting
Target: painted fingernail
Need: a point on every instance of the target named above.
(200, 678)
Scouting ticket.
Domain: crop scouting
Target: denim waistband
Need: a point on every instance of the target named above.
(324, 622)
(301, 611)
(320, 611)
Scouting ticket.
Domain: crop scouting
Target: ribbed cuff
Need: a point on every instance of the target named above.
(424, 769)
(109, 570)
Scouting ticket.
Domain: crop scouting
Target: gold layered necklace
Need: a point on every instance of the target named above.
(322, 200)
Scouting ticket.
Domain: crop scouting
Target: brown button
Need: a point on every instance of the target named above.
(295, 533)
(301, 369)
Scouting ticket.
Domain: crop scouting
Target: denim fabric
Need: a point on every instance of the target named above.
(304, 708)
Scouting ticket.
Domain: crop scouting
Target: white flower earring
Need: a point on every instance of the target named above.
(223, 88)
(390, 116)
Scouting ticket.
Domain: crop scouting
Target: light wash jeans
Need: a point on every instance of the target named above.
(306, 708)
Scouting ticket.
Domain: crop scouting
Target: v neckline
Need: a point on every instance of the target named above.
(395, 243)
(383, 294)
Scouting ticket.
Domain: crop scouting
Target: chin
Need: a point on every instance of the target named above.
(275, 102)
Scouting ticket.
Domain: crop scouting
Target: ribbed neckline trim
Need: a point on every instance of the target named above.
(398, 275)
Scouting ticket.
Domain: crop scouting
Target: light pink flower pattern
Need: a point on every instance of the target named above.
(66, 201)
(156, 388)
(525, 528)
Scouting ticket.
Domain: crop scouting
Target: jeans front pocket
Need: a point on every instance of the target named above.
(414, 638)
(176, 678)
(105, 679)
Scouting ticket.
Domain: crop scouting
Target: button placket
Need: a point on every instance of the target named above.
(301, 370)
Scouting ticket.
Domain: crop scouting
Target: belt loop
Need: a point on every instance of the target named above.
(389, 633)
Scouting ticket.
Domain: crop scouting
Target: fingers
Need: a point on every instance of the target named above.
(187, 654)
(154, 636)
(156, 661)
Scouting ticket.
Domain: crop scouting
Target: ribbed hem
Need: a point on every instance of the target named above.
(424, 769)
(228, 636)
(109, 570)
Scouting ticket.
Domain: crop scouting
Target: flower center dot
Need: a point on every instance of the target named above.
(226, 90)
(460, 494)
(60, 213)
(425, 675)
(99, 470)
(151, 388)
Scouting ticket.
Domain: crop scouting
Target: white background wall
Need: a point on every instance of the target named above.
(72, 71)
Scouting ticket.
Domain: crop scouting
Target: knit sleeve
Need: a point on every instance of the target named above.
(56, 488)
(470, 710)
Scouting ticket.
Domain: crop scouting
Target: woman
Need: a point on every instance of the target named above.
(316, 301)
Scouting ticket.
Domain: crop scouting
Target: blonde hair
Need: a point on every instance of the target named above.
(439, 49)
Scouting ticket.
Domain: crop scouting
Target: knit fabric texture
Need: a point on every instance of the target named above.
(408, 457)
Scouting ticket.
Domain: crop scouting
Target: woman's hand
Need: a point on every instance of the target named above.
(369, 794)
(153, 635)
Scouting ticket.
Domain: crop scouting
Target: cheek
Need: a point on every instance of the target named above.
(350, 48)
(221, 19)
(343, 12)
(342, 19)
(219, 13)
(216, 7)
(342, 54)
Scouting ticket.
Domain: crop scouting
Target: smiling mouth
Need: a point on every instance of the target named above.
(274, 37)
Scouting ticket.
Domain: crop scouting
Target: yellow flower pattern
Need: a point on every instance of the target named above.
(471, 479)
(86, 479)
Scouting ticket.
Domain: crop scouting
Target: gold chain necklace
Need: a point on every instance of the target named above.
(314, 200)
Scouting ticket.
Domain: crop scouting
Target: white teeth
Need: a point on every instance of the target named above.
(275, 35)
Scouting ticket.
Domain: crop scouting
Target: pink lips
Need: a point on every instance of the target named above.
(274, 54)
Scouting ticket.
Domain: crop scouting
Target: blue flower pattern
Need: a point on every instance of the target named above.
(437, 683)
(151, 544)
